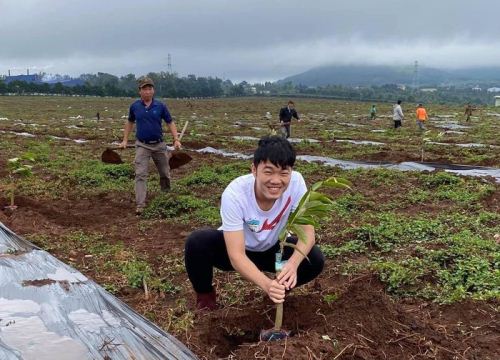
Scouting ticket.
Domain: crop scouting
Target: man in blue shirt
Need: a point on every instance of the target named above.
(148, 113)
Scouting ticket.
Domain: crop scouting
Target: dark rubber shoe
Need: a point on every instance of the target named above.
(207, 301)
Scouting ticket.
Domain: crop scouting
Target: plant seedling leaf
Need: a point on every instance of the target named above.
(299, 231)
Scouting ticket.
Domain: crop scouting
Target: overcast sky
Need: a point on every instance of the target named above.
(253, 40)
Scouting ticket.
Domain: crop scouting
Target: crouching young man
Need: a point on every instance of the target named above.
(254, 208)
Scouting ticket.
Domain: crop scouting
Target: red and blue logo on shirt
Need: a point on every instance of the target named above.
(253, 224)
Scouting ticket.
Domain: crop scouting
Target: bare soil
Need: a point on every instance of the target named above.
(362, 323)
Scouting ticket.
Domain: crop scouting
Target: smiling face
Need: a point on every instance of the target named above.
(271, 181)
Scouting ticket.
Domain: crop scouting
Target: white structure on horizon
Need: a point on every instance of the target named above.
(497, 100)
(493, 89)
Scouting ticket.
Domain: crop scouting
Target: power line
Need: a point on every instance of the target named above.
(416, 80)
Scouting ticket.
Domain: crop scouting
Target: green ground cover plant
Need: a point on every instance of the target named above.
(349, 247)
(219, 176)
(427, 236)
(185, 208)
(392, 231)
(454, 268)
(95, 174)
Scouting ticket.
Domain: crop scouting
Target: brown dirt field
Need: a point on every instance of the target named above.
(362, 323)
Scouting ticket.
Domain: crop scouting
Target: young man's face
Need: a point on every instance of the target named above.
(271, 181)
(291, 106)
(147, 92)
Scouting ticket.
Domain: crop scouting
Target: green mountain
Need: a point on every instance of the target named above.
(365, 75)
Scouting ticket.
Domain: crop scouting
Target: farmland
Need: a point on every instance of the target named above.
(413, 258)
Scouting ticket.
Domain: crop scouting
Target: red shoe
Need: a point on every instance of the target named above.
(206, 301)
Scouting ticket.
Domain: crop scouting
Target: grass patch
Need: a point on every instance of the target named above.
(215, 176)
(185, 208)
(350, 247)
(171, 205)
(393, 230)
(348, 203)
(95, 174)
(463, 266)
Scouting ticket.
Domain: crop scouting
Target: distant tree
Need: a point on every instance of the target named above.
(128, 83)
(237, 90)
(58, 88)
(3, 87)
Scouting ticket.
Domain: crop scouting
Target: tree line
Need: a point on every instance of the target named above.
(103, 84)
(391, 93)
(172, 85)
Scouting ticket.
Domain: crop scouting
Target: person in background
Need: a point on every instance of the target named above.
(421, 116)
(286, 114)
(468, 111)
(373, 112)
(147, 113)
(397, 115)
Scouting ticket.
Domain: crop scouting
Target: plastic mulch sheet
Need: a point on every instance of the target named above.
(48, 310)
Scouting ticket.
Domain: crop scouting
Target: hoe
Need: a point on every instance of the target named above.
(176, 160)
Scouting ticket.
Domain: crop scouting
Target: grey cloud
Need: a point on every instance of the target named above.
(244, 40)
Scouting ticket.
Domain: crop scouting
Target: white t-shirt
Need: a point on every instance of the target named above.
(240, 211)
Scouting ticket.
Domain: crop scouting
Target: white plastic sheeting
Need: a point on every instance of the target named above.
(464, 170)
(48, 310)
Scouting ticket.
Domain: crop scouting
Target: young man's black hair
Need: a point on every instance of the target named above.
(275, 149)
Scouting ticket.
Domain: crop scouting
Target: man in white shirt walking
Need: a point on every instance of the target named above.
(397, 115)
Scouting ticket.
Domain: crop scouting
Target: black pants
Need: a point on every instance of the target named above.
(206, 248)
(286, 127)
(397, 123)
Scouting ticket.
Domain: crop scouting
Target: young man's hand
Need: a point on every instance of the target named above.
(276, 292)
(288, 276)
